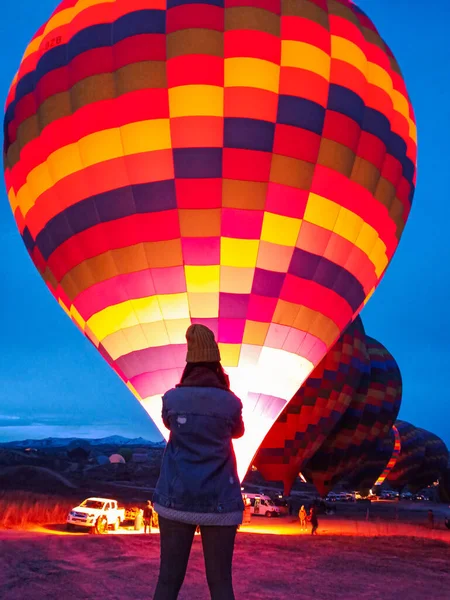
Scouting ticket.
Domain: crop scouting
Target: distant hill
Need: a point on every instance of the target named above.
(112, 440)
(27, 477)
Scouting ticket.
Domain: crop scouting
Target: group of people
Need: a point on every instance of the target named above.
(312, 518)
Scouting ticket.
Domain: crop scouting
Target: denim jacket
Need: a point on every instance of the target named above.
(198, 471)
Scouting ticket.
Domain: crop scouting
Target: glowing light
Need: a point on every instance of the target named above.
(259, 409)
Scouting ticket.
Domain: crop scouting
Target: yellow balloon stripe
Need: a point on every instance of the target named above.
(98, 147)
(196, 100)
(146, 335)
(132, 313)
(202, 279)
(376, 75)
(252, 72)
(329, 215)
(347, 51)
(279, 229)
(301, 55)
(238, 253)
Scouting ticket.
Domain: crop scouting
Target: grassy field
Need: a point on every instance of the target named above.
(22, 510)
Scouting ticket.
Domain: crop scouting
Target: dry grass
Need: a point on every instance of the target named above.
(22, 510)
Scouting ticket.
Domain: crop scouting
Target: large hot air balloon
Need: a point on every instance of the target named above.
(369, 417)
(315, 409)
(434, 463)
(411, 456)
(249, 165)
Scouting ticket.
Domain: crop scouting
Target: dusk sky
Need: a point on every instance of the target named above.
(53, 382)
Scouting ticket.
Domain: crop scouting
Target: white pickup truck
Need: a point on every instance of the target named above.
(97, 514)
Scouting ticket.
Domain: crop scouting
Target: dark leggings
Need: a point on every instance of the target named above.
(176, 542)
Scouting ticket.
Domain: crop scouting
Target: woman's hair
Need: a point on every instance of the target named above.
(215, 367)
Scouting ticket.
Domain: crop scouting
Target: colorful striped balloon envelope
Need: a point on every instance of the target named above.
(369, 417)
(246, 164)
(315, 410)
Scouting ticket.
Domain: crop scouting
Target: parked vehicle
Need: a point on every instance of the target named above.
(420, 498)
(263, 506)
(389, 495)
(96, 513)
(282, 504)
(332, 497)
(341, 497)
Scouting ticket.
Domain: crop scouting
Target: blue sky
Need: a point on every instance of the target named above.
(54, 383)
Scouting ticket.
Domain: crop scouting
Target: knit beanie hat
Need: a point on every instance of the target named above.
(201, 345)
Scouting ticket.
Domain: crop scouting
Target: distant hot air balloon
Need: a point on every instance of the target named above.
(117, 459)
(246, 165)
(378, 462)
(315, 409)
(434, 463)
(370, 416)
(411, 456)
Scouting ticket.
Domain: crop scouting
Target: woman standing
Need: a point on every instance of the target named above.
(199, 484)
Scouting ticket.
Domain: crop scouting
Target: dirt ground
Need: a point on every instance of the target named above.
(356, 560)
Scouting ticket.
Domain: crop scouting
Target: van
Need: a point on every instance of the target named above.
(263, 506)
